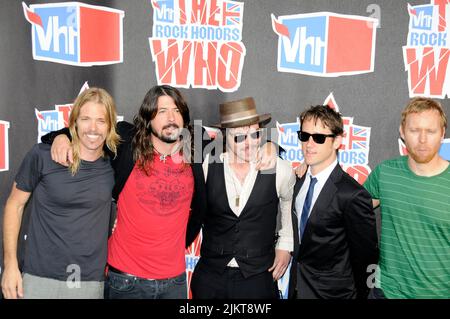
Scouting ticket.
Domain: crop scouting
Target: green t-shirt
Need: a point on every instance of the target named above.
(415, 230)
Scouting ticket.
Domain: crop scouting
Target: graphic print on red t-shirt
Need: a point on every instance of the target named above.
(149, 239)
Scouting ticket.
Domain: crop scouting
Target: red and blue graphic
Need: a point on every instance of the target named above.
(354, 151)
(288, 140)
(232, 13)
(353, 154)
(75, 33)
(192, 256)
(4, 146)
(325, 44)
(427, 52)
(444, 151)
(198, 43)
(52, 120)
(48, 121)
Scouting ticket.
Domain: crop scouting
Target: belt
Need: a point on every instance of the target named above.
(117, 271)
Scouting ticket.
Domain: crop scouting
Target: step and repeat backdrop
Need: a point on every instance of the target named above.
(366, 58)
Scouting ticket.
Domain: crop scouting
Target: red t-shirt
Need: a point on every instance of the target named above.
(152, 214)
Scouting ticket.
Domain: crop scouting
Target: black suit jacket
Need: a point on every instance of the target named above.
(340, 241)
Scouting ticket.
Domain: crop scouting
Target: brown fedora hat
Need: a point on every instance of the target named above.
(240, 113)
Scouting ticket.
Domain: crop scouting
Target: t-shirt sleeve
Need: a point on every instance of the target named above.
(29, 173)
(372, 183)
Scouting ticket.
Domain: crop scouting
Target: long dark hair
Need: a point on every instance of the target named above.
(143, 150)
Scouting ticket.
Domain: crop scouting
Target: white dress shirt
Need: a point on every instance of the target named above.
(285, 181)
(322, 177)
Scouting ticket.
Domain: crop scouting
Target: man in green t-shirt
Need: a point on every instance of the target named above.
(413, 193)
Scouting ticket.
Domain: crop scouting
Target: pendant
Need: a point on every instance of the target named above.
(162, 158)
(237, 201)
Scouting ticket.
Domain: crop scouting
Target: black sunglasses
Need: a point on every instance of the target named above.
(318, 138)
(239, 138)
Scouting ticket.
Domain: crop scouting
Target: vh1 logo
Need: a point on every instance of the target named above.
(422, 17)
(427, 52)
(75, 33)
(4, 149)
(325, 44)
(192, 255)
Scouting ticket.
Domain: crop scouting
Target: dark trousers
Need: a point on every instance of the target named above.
(209, 284)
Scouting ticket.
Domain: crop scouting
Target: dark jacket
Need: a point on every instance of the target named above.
(340, 241)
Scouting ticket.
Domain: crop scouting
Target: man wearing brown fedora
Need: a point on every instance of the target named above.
(241, 254)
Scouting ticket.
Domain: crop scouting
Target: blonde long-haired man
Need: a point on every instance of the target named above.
(67, 238)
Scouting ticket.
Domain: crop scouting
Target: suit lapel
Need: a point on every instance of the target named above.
(322, 204)
(298, 184)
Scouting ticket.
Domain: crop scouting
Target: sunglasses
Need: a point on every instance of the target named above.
(317, 138)
(239, 138)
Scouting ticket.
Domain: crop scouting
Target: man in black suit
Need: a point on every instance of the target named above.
(335, 237)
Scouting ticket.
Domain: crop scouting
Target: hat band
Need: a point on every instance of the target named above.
(239, 117)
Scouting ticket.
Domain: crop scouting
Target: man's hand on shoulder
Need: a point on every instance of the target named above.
(61, 150)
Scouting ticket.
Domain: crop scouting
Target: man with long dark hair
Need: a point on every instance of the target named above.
(154, 188)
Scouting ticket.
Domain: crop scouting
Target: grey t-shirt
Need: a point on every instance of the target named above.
(68, 230)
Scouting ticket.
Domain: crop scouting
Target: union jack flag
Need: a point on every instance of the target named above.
(358, 137)
(232, 13)
(192, 254)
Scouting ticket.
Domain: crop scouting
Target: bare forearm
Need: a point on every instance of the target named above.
(11, 227)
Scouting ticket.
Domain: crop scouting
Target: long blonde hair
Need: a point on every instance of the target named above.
(96, 95)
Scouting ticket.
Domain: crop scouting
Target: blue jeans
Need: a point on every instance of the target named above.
(119, 286)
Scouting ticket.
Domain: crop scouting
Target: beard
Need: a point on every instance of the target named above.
(421, 159)
(169, 138)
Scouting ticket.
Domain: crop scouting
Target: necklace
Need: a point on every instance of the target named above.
(163, 157)
(237, 197)
(234, 177)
